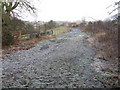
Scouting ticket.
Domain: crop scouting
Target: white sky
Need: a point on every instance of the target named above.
(70, 10)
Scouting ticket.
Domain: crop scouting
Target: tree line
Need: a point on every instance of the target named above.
(12, 26)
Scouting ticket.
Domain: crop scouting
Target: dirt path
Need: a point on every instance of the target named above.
(65, 61)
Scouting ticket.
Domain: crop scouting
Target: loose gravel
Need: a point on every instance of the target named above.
(65, 61)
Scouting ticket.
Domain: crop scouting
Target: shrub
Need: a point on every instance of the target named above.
(106, 33)
(7, 38)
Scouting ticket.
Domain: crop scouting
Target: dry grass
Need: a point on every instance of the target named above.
(23, 45)
(27, 44)
(61, 30)
(106, 39)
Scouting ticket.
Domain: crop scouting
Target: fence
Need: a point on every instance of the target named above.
(33, 35)
(26, 36)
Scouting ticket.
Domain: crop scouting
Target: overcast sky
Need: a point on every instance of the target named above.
(70, 10)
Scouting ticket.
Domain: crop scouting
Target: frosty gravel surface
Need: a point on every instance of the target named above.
(65, 61)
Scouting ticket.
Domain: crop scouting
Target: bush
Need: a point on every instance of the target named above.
(106, 33)
(7, 38)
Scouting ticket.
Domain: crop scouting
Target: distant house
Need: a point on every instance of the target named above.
(70, 24)
(66, 24)
(73, 25)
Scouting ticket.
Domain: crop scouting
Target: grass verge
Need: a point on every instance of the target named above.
(27, 44)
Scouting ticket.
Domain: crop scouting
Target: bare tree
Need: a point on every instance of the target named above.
(9, 7)
(116, 7)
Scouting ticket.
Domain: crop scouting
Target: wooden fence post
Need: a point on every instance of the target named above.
(20, 35)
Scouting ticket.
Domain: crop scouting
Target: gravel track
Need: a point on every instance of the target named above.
(65, 61)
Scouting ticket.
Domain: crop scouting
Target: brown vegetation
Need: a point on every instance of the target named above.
(106, 39)
(29, 43)
(23, 45)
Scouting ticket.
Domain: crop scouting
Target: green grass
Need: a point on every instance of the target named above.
(60, 30)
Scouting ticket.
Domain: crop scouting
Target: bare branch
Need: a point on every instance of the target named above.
(113, 10)
(15, 5)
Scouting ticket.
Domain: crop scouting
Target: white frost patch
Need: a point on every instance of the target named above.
(81, 35)
(98, 65)
(104, 68)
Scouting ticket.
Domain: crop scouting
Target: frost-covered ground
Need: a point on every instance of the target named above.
(65, 61)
